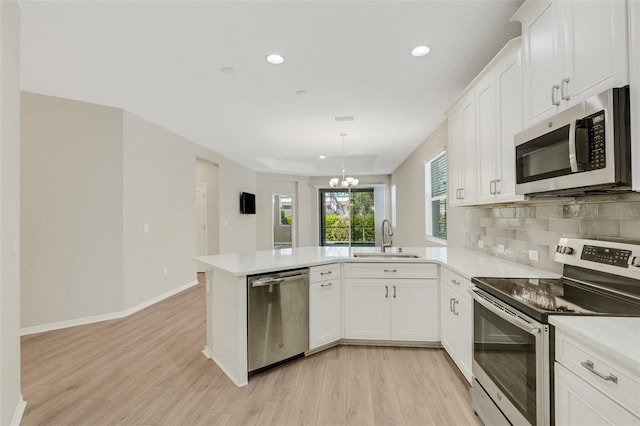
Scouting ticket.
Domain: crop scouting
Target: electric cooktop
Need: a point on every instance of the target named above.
(599, 278)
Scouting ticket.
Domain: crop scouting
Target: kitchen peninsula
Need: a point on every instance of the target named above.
(226, 336)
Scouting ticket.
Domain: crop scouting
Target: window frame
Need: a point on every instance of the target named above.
(428, 199)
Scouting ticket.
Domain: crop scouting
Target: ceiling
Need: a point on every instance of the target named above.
(198, 69)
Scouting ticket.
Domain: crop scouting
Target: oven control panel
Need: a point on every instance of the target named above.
(607, 256)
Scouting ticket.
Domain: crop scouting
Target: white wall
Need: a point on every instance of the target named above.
(207, 173)
(92, 177)
(159, 187)
(410, 196)
(11, 404)
(72, 217)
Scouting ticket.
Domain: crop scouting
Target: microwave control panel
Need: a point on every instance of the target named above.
(590, 142)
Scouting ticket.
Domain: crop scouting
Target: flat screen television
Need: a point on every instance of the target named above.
(247, 203)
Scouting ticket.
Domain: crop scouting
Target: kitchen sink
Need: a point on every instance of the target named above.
(386, 255)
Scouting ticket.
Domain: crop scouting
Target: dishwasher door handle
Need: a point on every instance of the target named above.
(273, 281)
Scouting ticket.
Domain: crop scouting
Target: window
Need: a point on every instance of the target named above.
(435, 187)
(347, 218)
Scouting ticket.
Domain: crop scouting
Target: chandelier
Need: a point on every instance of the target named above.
(346, 182)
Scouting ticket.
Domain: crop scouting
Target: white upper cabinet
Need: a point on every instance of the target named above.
(572, 49)
(462, 153)
(481, 130)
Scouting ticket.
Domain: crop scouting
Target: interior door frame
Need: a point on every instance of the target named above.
(203, 188)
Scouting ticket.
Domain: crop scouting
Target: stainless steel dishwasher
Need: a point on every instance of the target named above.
(278, 317)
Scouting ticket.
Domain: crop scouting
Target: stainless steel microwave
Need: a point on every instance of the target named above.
(585, 149)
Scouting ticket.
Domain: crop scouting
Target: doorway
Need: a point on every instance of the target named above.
(283, 221)
(347, 218)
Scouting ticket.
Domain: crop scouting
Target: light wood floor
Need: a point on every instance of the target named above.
(147, 369)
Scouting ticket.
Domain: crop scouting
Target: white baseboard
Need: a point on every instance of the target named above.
(207, 352)
(146, 304)
(19, 411)
(105, 317)
(229, 374)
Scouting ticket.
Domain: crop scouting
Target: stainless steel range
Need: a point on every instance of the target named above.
(513, 341)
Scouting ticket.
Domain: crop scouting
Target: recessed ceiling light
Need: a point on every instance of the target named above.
(228, 70)
(275, 59)
(421, 51)
(302, 93)
(322, 157)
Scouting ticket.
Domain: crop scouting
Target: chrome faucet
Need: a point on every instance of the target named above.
(388, 232)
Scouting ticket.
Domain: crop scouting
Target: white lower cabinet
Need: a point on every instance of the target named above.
(367, 313)
(325, 318)
(578, 403)
(592, 385)
(456, 321)
(401, 309)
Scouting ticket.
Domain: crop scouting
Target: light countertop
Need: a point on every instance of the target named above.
(466, 262)
(619, 337)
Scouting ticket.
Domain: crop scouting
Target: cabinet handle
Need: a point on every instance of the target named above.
(455, 282)
(456, 313)
(326, 273)
(326, 285)
(491, 187)
(564, 94)
(554, 90)
(589, 366)
(394, 291)
(391, 270)
(462, 193)
(496, 189)
(451, 304)
(386, 291)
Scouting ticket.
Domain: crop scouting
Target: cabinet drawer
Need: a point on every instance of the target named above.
(581, 359)
(455, 280)
(391, 270)
(324, 272)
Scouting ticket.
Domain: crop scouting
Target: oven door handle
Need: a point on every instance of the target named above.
(518, 322)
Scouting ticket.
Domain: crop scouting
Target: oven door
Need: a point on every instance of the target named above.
(511, 360)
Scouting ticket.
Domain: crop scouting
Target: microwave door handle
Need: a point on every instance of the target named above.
(573, 161)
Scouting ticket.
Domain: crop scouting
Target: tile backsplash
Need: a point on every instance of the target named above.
(511, 231)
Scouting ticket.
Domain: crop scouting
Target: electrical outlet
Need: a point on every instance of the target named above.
(480, 243)
(164, 270)
(500, 248)
(533, 255)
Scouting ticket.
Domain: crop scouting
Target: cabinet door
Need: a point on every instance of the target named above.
(455, 158)
(542, 55)
(469, 151)
(414, 309)
(324, 313)
(488, 154)
(457, 328)
(509, 93)
(448, 321)
(596, 45)
(578, 403)
(464, 335)
(367, 309)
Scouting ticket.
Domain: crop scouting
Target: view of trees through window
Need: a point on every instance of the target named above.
(348, 217)
(286, 212)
